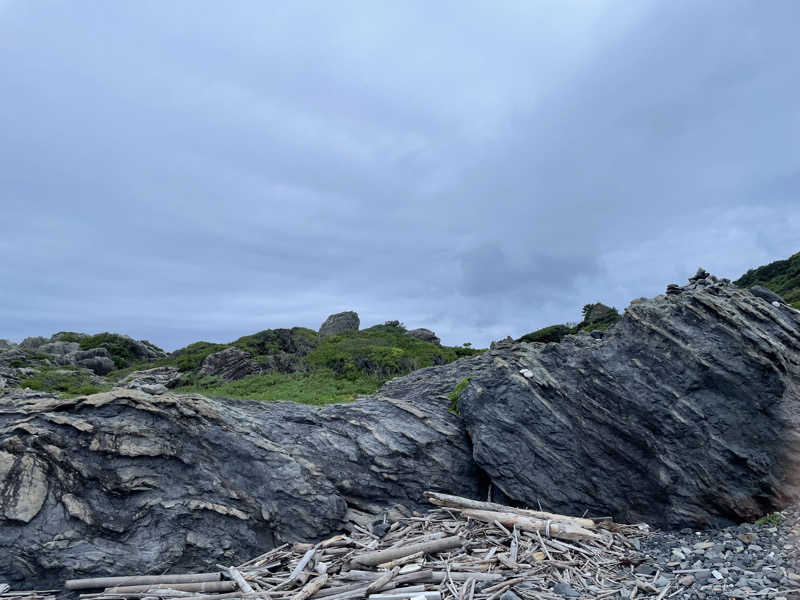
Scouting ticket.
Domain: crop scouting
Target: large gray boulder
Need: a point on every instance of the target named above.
(339, 323)
(97, 360)
(686, 413)
(230, 363)
(126, 482)
(7, 345)
(426, 335)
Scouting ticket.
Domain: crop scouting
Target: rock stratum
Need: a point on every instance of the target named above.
(686, 412)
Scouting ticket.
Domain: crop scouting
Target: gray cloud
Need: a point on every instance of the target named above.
(182, 171)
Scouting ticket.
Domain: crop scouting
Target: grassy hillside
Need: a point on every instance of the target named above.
(781, 276)
(296, 364)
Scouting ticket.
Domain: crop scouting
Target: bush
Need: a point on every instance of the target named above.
(123, 350)
(456, 394)
(772, 519)
(70, 382)
(554, 333)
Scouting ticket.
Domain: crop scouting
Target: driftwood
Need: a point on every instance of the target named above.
(466, 550)
(457, 502)
(382, 556)
(105, 582)
(205, 586)
(558, 529)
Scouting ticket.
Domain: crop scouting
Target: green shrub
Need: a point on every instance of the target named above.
(67, 381)
(772, 519)
(781, 276)
(554, 333)
(456, 394)
(192, 356)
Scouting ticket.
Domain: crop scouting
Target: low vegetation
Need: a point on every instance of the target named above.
(456, 394)
(320, 387)
(781, 276)
(596, 317)
(69, 381)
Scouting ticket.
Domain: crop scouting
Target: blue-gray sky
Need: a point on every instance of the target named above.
(203, 170)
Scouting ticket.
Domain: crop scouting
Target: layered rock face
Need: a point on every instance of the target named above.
(128, 482)
(685, 413)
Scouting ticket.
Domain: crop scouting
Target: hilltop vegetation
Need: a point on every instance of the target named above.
(296, 364)
(781, 276)
(596, 317)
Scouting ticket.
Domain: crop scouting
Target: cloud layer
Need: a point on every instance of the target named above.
(186, 170)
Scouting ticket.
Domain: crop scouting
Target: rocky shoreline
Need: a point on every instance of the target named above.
(741, 561)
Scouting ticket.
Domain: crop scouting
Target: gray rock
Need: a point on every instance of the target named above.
(33, 342)
(7, 345)
(685, 399)
(426, 335)
(230, 363)
(339, 323)
(148, 483)
(97, 360)
(157, 378)
(563, 589)
(59, 348)
(766, 294)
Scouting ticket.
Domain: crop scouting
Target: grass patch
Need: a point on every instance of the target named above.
(124, 351)
(456, 394)
(69, 382)
(382, 351)
(772, 519)
(318, 388)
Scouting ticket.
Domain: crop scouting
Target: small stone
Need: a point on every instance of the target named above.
(755, 548)
(509, 595)
(686, 580)
(562, 589)
(717, 575)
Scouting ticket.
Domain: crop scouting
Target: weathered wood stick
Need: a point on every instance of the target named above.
(104, 582)
(340, 589)
(380, 582)
(402, 594)
(381, 556)
(465, 503)
(432, 576)
(401, 561)
(303, 562)
(237, 577)
(557, 529)
(311, 588)
(405, 592)
(205, 586)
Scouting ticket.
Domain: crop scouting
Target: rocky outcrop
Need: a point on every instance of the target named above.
(152, 381)
(766, 294)
(426, 335)
(126, 482)
(686, 412)
(339, 323)
(231, 363)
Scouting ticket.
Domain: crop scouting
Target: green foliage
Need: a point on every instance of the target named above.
(16, 363)
(123, 350)
(781, 276)
(65, 380)
(320, 387)
(772, 519)
(381, 351)
(68, 336)
(554, 333)
(456, 394)
(192, 356)
(297, 340)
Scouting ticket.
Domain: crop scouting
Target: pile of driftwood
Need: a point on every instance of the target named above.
(465, 550)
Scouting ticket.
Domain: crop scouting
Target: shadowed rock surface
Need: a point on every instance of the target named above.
(685, 413)
(127, 482)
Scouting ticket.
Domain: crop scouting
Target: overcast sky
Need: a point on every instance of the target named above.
(195, 170)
